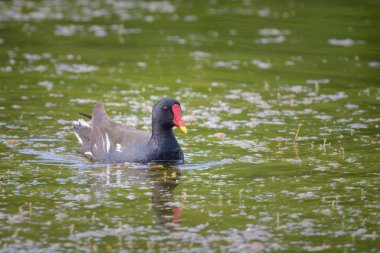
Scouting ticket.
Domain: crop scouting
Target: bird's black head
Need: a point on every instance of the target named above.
(167, 114)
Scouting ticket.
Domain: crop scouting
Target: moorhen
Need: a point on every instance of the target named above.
(108, 141)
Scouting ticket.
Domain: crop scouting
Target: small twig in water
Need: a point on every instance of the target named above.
(277, 219)
(72, 228)
(298, 131)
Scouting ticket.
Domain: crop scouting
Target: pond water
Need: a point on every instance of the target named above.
(281, 100)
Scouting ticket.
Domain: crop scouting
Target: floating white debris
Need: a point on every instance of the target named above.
(75, 68)
(188, 118)
(290, 63)
(217, 84)
(36, 57)
(334, 165)
(81, 197)
(47, 84)
(271, 40)
(323, 117)
(120, 29)
(98, 30)
(306, 195)
(273, 32)
(319, 81)
(18, 218)
(246, 159)
(48, 104)
(235, 111)
(82, 101)
(190, 18)
(63, 122)
(61, 216)
(116, 104)
(230, 125)
(344, 120)
(199, 55)
(56, 95)
(220, 183)
(142, 65)
(351, 106)
(344, 42)
(6, 69)
(320, 168)
(289, 193)
(177, 39)
(157, 6)
(69, 30)
(131, 196)
(317, 248)
(357, 112)
(371, 120)
(358, 126)
(251, 145)
(255, 98)
(334, 97)
(298, 89)
(227, 64)
(232, 96)
(220, 136)
(265, 12)
(360, 231)
(261, 64)
(374, 64)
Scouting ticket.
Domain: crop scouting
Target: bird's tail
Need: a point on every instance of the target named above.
(85, 115)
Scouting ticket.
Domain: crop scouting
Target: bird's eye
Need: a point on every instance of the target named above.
(165, 108)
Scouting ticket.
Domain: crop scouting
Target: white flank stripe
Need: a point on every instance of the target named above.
(108, 143)
(79, 139)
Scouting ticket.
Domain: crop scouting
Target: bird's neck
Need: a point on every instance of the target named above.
(163, 136)
(164, 145)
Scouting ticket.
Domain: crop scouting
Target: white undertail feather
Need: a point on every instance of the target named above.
(88, 153)
(81, 122)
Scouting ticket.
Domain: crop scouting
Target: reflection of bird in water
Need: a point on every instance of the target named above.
(162, 179)
(165, 210)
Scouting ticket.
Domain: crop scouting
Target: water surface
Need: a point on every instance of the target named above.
(281, 100)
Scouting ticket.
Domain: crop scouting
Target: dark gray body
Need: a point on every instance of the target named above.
(110, 142)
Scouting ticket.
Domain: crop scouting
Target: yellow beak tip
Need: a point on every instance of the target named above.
(183, 129)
